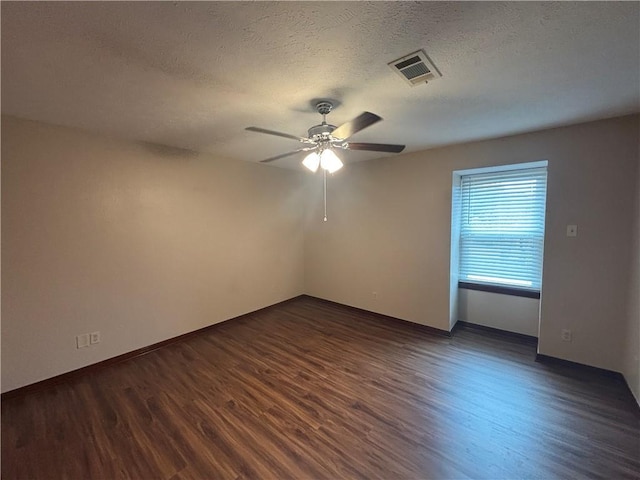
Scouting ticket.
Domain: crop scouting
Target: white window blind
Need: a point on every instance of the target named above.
(502, 230)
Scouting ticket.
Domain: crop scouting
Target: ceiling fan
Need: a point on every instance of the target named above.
(323, 139)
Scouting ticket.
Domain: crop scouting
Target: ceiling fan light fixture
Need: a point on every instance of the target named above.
(330, 161)
(312, 161)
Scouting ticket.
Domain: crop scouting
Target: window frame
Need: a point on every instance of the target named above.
(457, 198)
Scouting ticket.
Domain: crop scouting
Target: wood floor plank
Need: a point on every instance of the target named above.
(314, 390)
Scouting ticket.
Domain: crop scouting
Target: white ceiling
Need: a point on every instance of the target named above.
(193, 75)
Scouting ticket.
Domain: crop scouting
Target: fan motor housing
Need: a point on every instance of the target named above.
(321, 131)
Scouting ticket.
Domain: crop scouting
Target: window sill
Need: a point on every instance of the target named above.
(517, 292)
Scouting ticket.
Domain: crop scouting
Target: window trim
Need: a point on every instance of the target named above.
(456, 231)
(504, 290)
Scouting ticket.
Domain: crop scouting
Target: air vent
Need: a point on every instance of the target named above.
(415, 68)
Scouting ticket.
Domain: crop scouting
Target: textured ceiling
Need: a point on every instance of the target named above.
(193, 75)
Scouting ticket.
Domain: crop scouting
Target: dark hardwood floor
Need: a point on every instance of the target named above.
(313, 390)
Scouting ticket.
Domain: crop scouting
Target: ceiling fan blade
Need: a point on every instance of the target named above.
(362, 121)
(273, 132)
(282, 155)
(376, 147)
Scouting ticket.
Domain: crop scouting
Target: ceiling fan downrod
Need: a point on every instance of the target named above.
(321, 134)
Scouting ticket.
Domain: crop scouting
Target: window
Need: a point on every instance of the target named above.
(502, 229)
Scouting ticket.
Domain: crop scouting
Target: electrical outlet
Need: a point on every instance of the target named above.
(82, 340)
(94, 337)
(565, 334)
(375, 294)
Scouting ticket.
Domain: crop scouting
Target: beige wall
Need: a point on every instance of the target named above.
(137, 242)
(632, 347)
(144, 244)
(504, 312)
(586, 277)
(389, 232)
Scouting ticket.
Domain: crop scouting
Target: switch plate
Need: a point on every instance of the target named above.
(82, 340)
(94, 337)
(572, 230)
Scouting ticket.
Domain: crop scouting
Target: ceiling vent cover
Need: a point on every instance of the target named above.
(415, 68)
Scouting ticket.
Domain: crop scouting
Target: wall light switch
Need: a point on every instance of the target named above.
(572, 230)
(82, 340)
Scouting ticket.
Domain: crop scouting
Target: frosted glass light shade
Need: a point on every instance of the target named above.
(312, 161)
(330, 161)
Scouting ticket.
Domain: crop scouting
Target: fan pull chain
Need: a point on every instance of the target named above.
(325, 193)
